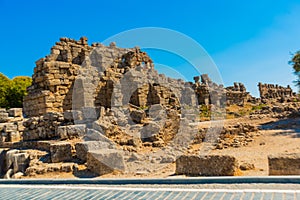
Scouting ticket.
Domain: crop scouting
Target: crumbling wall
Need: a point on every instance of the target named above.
(208, 92)
(54, 77)
(275, 92)
(237, 94)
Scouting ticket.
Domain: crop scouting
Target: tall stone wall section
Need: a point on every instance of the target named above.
(54, 76)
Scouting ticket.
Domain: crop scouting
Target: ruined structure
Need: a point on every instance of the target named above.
(54, 76)
(237, 94)
(208, 92)
(275, 92)
(95, 103)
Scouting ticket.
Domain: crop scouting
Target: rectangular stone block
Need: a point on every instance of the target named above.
(20, 162)
(10, 127)
(71, 131)
(212, 165)
(82, 148)
(3, 117)
(284, 164)
(71, 115)
(105, 161)
(60, 152)
(14, 136)
(15, 112)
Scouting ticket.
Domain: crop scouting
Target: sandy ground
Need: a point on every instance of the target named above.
(276, 136)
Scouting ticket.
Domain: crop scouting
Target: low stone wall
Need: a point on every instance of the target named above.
(43, 127)
(213, 165)
(284, 164)
(11, 125)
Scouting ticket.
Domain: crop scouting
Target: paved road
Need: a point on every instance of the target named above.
(12, 191)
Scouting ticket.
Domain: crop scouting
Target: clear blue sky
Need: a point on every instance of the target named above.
(250, 41)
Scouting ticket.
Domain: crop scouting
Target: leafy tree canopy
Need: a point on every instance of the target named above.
(295, 62)
(13, 91)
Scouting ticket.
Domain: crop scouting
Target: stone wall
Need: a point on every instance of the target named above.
(237, 94)
(54, 76)
(275, 92)
(11, 125)
(76, 75)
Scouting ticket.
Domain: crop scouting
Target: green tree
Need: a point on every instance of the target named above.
(4, 87)
(295, 62)
(17, 91)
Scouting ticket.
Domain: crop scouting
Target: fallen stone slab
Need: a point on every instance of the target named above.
(105, 161)
(212, 165)
(284, 164)
(82, 148)
(94, 135)
(60, 152)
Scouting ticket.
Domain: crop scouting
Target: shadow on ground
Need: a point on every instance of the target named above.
(289, 126)
(84, 173)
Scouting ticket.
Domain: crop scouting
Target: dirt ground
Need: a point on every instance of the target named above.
(275, 137)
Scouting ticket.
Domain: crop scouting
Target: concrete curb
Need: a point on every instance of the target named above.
(166, 181)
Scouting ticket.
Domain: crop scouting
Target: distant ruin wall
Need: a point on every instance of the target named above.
(275, 92)
(237, 94)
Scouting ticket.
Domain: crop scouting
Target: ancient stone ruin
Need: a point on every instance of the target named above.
(102, 105)
(275, 92)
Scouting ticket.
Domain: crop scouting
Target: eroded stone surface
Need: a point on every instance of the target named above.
(105, 161)
(61, 152)
(212, 165)
(284, 164)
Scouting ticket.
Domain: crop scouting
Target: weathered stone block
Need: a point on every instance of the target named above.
(284, 164)
(20, 162)
(71, 131)
(10, 127)
(105, 161)
(213, 165)
(2, 110)
(71, 115)
(60, 152)
(138, 116)
(149, 132)
(93, 135)
(9, 158)
(15, 112)
(3, 117)
(14, 136)
(2, 159)
(82, 148)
